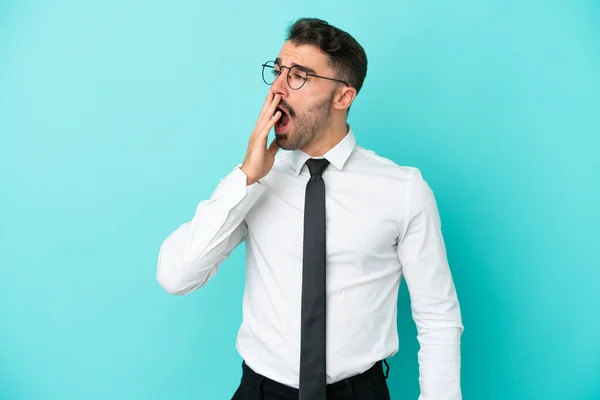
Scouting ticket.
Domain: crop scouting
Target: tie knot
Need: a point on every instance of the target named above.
(317, 166)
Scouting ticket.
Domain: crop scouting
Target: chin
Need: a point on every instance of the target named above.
(282, 141)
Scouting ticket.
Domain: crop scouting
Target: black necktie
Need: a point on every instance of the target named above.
(312, 338)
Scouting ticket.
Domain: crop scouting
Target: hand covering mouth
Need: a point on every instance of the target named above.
(285, 118)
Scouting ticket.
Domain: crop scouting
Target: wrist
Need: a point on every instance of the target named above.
(249, 180)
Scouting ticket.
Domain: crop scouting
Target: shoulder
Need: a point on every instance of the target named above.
(405, 181)
(369, 160)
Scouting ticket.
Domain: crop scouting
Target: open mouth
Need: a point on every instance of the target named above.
(282, 122)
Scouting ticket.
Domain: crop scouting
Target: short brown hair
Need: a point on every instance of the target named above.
(346, 56)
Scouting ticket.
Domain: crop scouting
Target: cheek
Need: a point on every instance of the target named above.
(297, 105)
(302, 99)
(301, 104)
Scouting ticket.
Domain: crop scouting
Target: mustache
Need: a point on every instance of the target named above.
(286, 107)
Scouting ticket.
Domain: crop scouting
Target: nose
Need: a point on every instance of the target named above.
(280, 85)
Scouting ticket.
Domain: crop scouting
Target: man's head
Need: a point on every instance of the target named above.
(328, 70)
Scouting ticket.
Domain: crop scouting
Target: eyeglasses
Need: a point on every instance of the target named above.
(296, 77)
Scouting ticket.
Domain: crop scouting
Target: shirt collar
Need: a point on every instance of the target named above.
(337, 155)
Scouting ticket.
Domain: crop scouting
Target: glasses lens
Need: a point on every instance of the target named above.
(270, 72)
(296, 78)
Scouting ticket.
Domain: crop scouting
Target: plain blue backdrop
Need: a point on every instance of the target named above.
(118, 117)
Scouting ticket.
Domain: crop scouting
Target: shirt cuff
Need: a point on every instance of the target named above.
(233, 191)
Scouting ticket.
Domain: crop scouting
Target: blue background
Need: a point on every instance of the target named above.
(118, 117)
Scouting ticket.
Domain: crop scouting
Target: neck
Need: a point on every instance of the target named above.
(327, 139)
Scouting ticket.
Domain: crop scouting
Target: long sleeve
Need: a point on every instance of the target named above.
(434, 302)
(192, 253)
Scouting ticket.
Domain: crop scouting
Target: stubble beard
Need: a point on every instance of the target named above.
(306, 126)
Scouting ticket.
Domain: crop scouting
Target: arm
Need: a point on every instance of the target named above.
(434, 303)
(192, 253)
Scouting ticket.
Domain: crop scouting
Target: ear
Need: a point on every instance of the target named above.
(343, 98)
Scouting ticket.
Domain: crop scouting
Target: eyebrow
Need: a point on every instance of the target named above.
(302, 67)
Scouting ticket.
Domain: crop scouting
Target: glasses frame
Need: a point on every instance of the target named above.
(299, 68)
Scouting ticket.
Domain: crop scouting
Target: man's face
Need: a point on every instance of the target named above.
(306, 111)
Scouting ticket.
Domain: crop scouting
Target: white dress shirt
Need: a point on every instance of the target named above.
(382, 223)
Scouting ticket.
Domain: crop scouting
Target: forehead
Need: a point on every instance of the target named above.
(306, 55)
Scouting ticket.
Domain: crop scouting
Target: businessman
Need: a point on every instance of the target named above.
(330, 229)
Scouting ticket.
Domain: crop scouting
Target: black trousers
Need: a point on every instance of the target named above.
(370, 385)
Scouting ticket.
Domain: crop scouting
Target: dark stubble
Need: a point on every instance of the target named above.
(306, 124)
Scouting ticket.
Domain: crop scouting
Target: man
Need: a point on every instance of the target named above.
(330, 228)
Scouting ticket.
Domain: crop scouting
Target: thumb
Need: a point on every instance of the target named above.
(274, 147)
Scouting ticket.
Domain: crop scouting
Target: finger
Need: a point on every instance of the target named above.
(271, 98)
(268, 112)
(264, 130)
(267, 103)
